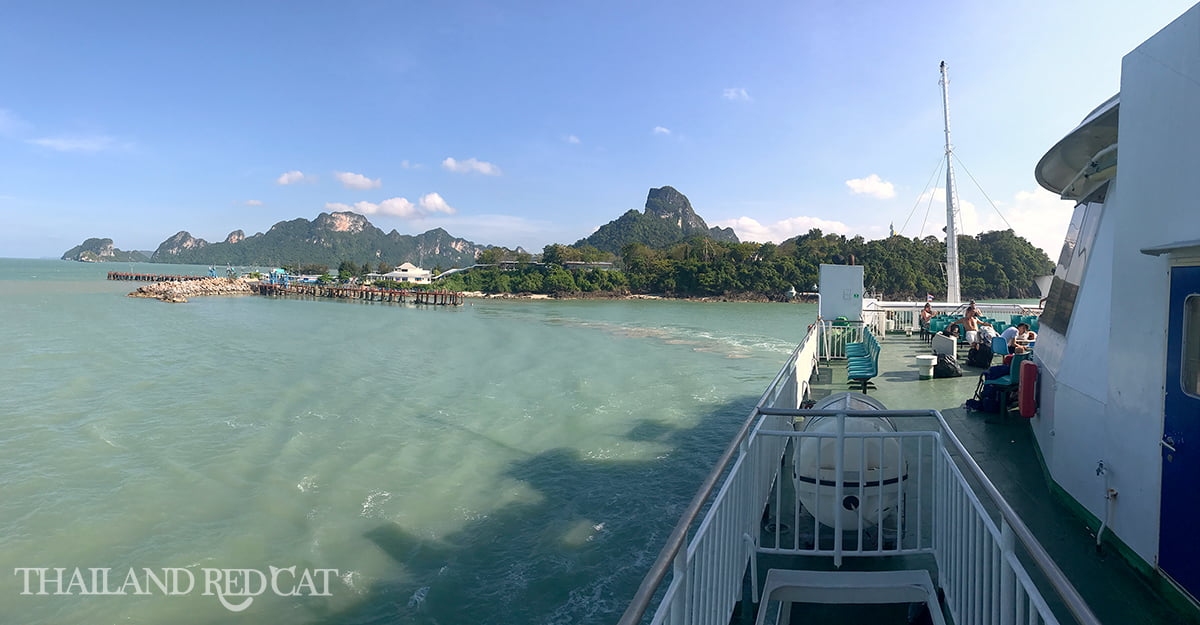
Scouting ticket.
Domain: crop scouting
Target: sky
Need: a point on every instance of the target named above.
(531, 123)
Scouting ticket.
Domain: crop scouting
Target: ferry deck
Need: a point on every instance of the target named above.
(962, 538)
(1004, 448)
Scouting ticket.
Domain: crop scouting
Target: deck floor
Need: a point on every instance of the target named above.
(1004, 447)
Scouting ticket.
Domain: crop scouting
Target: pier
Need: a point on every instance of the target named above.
(150, 277)
(367, 294)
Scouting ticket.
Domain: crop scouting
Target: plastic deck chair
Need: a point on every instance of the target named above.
(1013, 372)
(1008, 382)
(999, 346)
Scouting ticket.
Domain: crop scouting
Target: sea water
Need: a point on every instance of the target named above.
(506, 461)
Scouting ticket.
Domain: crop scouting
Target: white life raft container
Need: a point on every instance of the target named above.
(873, 469)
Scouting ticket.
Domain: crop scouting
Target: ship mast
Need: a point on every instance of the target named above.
(952, 283)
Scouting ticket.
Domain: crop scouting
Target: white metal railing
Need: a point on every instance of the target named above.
(894, 515)
(937, 513)
(708, 575)
(906, 315)
(876, 320)
(834, 336)
(690, 582)
(922, 504)
(978, 566)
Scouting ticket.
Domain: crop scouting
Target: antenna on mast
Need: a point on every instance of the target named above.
(952, 282)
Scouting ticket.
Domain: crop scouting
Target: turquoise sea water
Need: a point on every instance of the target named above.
(500, 462)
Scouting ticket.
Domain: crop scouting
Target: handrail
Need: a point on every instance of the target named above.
(1063, 586)
(645, 592)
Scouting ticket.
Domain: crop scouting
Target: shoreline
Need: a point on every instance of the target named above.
(746, 298)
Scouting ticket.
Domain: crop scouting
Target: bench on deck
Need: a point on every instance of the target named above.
(863, 360)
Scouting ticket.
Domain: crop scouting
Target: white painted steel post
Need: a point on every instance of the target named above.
(679, 606)
(1007, 577)
(752, 546)
(838, 488)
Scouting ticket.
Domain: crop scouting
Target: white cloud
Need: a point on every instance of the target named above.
(433, 203)
(398, 207)
(737, 94)
(292, 177)
(659, 130)
(1042, 217)
(572, 139)
(254, 203)
(90, 143)
(1039, 216)
(356, 181)
(873, 186)
(748, 229)
(506, 230)
(471, 165)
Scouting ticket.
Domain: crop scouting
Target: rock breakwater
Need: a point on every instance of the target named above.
(178, 292)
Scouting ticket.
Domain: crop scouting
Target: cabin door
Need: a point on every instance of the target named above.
(1178, 548)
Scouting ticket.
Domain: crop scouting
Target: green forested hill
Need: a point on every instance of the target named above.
(329, 239)
(994, 265)
(667, 218)
(100, 251)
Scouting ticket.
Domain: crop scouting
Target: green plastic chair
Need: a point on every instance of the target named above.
(1013, 372)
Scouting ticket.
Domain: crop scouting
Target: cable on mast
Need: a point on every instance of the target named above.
(985, 195)
(937, 170)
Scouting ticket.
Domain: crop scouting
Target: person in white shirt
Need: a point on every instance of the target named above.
(1010, 336)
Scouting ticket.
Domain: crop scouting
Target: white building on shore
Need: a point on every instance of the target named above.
(407, 272)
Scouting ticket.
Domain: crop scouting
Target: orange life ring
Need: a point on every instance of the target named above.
(1027, 389)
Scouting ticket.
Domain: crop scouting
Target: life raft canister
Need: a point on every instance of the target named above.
(1027, 389)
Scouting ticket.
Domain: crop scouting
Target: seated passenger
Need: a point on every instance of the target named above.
(971, 323)
(1011, 334)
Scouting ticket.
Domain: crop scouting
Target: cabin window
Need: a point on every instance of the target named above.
(1068, 275)
(1191, 346)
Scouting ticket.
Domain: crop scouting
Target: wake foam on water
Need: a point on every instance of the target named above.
(233, 423)
(308, 484)
(418, 598)
(595, 600)
(731, 345)
(103, 435)
(354, 581)
(376, 499)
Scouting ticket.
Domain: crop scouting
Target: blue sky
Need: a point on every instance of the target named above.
(523, 123)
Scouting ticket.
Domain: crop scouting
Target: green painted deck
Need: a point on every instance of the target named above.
(1004, 447)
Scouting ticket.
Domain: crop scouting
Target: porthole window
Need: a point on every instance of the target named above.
(1191, 346)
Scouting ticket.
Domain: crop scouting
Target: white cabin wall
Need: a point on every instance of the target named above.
(1084, 364)
(1158, 135)
(1076, 379)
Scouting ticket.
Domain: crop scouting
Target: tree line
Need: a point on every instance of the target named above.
(993, 265)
